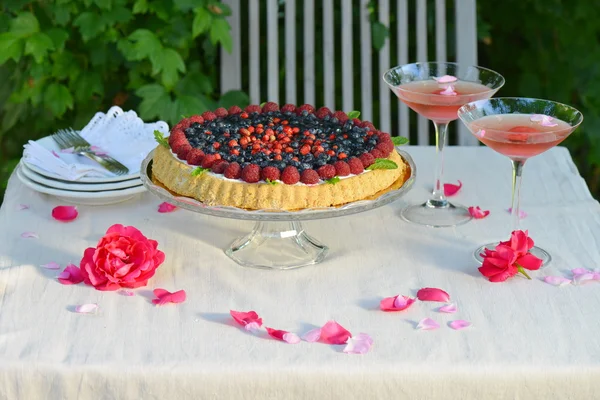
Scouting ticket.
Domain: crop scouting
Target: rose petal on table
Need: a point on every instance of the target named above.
(445, 79)
(359, 344)
(451, 189)
(334, 333)
(98, 151)
(86, 308)
(478, 213)
(459, 324)
(125, 292)
(556, 280)
(245, 318)
(449, 91)
(448, 308)
(51, 265)
(433, 294)
(166, 207)
(312, 336)
(22, 207)
(55, 154)
(64, 213)
(29, 235)
(68, 150)
(522, 214)
(165, 297)
(427, 324)
(284, 336)
(580, 279)
(396, 303)
(580, 271)
(71, 275)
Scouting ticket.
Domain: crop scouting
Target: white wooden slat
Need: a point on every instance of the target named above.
(347, 58)
(290, 51)
(254, 32)
(423, 124)
(231, 63)
(466, 51)
(440, 31)
(402, 40)
(366, 92)
(328, 55)
(273, 52)
(309, 52)
(384, 65)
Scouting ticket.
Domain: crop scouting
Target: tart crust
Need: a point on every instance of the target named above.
(215, 190)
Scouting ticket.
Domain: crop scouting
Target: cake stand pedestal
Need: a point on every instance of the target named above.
(278, 240)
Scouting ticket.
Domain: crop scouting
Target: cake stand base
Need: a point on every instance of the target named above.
(277, 245)
(536, 251)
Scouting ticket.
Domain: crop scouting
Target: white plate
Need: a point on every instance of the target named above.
(49, 143)
(85, 198)
(73, 185)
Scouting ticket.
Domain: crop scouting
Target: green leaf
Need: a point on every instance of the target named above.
(155, 101)
(160, 139)
(58, 99)
(117, 15)
(186, 5)
(382, 163)
(12, 113)
(199, 171)
(194, 82)
(263, 104)
(145, 45)
(11, 46)
(25, 24)
(202, 21)
(90, 25)
(333, 181)
(171, 64)
(353, 114)
(399, 140)
(140, 7)
(58, 36)
(104, 4)
(190, 105)
(62, 14)
(38, 45)
(379, 33)
(234, 98)
(270, 182)
(219, 32)
(89, 82)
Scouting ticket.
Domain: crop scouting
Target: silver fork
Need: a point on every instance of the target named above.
(66, 138)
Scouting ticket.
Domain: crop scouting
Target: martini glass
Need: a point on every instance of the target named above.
(519, 128)
(436, 90)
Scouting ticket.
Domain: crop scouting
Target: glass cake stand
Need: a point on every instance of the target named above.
(278, 240)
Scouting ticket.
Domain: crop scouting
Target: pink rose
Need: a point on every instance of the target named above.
(123, 258)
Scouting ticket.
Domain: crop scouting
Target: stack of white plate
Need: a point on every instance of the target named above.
(86, 190)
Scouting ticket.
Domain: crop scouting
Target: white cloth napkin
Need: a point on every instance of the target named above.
(122, 135)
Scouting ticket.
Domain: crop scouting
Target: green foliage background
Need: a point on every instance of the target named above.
(61, 61)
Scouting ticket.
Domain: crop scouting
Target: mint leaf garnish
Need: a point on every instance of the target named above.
(353, 114)
(270, 182)
(399, 140)
(161, 139)
(199, 171)
(183, 116)
(263, 104)
(333, 181)
(382, 163)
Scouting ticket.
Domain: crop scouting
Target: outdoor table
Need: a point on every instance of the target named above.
(528, 339)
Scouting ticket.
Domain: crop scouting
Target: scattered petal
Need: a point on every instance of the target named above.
(164, 297)
(51, 265)
(448, 308)
(580, 279)
(359, 344)
(478, 213)
(480, 133)
(544, 120)
(445, 79)
(86, 308)
(252, 327)
(451, 189)
(396, 303)
(166, 207)
(427, 324)
(124, 292)
(22, 207)
(64, 213)
(284, 336)
(459, 324)
(68, 150)
(71, 275)
(55, 154)
(29, 235)
(449, 91)
(522, 214)
(579, 271)
(557, 280)
(246, 318)
(312, 336)
(334, 333)
(98, 151)
(433, 294)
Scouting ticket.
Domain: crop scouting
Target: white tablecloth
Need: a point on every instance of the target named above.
(529, 340)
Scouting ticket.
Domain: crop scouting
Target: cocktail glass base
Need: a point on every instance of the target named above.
(434, 216)
(277, 245)
(536, 251)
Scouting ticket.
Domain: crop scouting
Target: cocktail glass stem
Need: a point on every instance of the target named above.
(438, 199)
(517, 171)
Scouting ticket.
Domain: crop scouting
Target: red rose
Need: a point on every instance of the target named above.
(123, 258)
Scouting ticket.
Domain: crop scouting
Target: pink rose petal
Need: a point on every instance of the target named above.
(98, 151)
(451, 189)
(396, 303)
(51, 265)
(433, 294)
(86, 308)
(165, 297)
(64, 213)
(478, 213)
(445, 79)
(71, 275)
(449, 91)
(480, 133)
(29, 235)
(359, 344)
(128, 293)
(557, 280)
(544, 120)
(459, 324)
(312, 336)
(334, 333)
(284, 336)
(448, 308)
(427, 324)
(522, 214)
(579, 271)
(580, 279)
(22, 207)
(55, 154)
(252, 327)
(166, 207)
(68, 150)
(246, 318)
